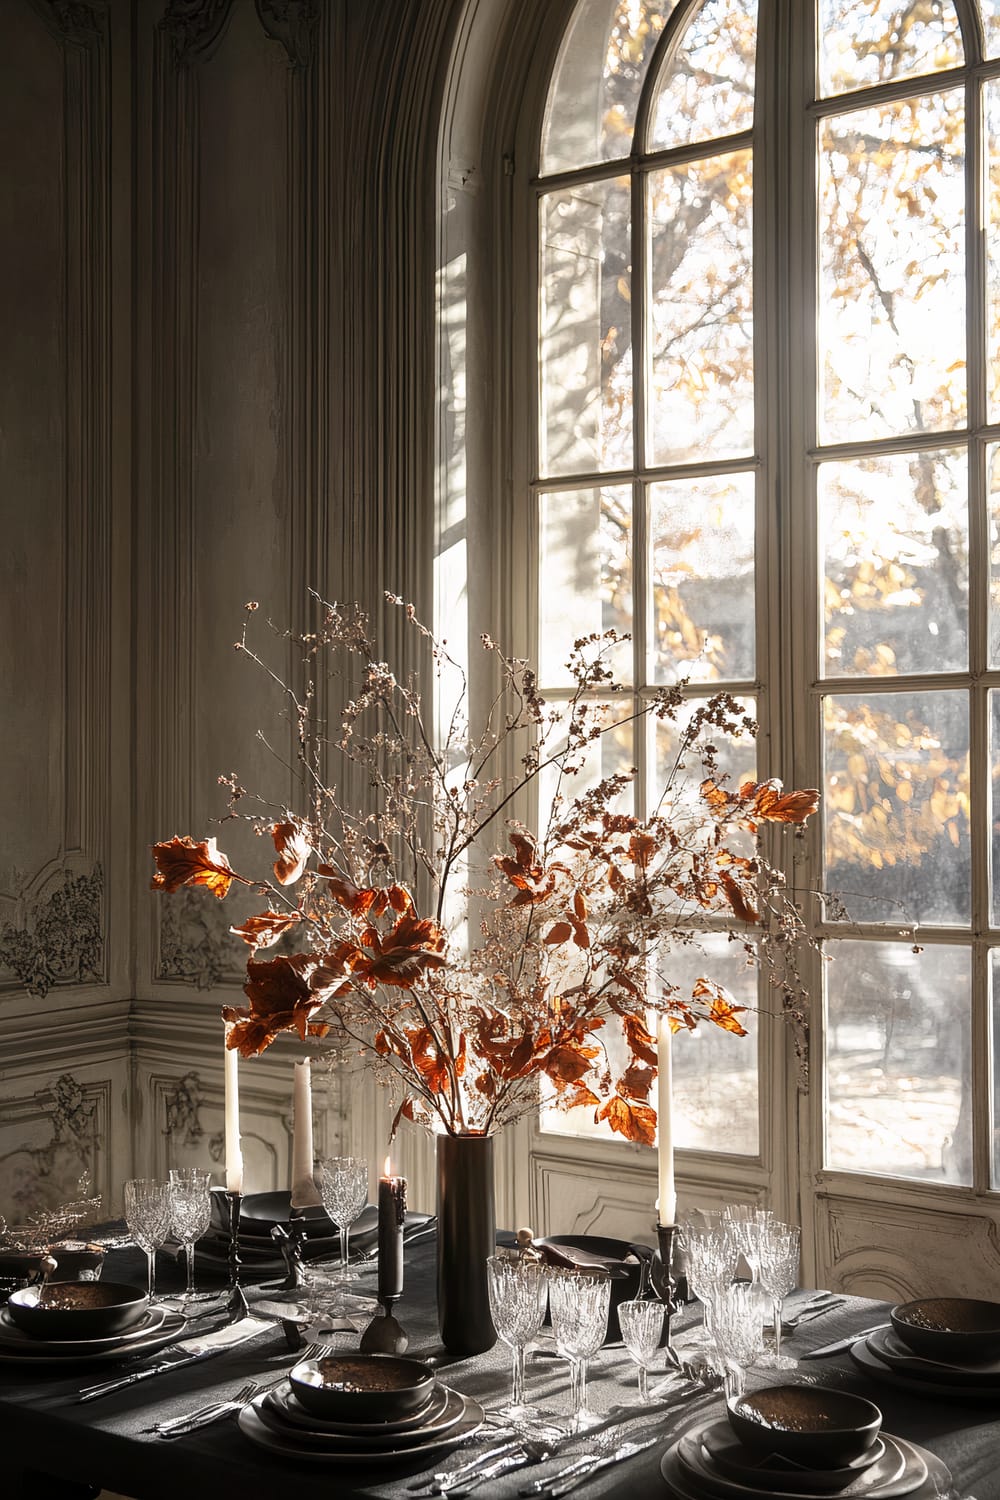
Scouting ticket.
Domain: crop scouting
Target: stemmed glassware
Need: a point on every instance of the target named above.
(518, 1291)
(148, 1215)
(778, 1274)
(642, 1328)
(579, 1302)
(191, 1210)
(737, 1324)
(712, 1255)
(344, 1189)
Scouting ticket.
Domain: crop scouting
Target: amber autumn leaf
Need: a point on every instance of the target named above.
(636, 1122)
(738, 898)
(362, 900)
(777, 806)
(722, 1010)
(534, 883)
(293, 849)
(400, 956)
(281, 999)
(181, 861)
(263, 930)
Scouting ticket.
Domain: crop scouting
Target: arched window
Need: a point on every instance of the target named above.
(767, 443)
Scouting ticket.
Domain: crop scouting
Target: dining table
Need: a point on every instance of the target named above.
(55, 1447)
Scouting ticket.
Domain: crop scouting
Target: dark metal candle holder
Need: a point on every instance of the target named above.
(661, 1276)
(385, 1334)
(237, 1305)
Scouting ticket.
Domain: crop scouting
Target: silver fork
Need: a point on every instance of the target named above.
(214, 1411)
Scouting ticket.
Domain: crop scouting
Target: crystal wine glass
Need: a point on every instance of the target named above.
(148, 1215)
(778, 1274)
(737, 1323)
(518, 1292)
(344, 1189)
(642, 1328)
(712, 1259)
(579, 1302)
(191, 1208)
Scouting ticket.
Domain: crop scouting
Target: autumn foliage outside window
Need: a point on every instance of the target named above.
(465, 955)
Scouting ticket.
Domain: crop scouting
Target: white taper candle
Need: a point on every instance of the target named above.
(667, 1201)
(304, 1190)
(234, 1152)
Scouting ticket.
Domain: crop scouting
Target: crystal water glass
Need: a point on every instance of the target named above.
(148, 1214)
(778, 1274)
(344, 1189)
(737, 1322)
(191, 1210)
(642, 1328)
(518, 1291)
(712, 1256)
(579, 1303)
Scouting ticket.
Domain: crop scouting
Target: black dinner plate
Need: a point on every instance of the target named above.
(291, 1444)
(873, 1365)
(446, 1414)
(16, 1340)
(727, 1454)
(895, 1473)
(923, 1476)
(123, 1348)
(283, 1400)
(888, 1347)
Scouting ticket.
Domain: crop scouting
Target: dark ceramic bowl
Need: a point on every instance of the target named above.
(808, 1424)
(958, 1330)
(362, 1387)
(622, 1261)
(76, 1310)
(259, 1212)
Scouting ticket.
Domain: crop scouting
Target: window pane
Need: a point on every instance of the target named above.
(702, 575)
(579, 771)
(584, 576)
(995, 807)
(892, 270)
(595, 88)
(898, 1061)
(993, 502)
(991, 26)
(896, 546)
(995, 1073)
(991, 94)
(866, 44)
(736, 759)
(897, 806)
(701, 310)
(708, 1114)
(586, 329)
(708, 88)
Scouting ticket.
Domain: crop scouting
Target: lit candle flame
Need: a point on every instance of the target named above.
(387, 1170)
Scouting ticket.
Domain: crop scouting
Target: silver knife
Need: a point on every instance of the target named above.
(580, 1473)
(186, 1352)
(842, 1345)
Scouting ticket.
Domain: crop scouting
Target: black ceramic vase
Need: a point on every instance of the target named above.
(466, 1238)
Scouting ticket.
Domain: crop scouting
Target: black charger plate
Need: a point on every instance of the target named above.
(922, 1475)
(171, 1327)
(291, 1445)
(734, 1461)
(279, 1414)
(872, 1365)
(888, 1347)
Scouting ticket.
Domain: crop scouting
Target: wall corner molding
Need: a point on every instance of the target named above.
(77, 23)
(195, 28)
(292, 23)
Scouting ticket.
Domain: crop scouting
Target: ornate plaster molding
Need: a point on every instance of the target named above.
(58, 937)
(293, 23)
(79, 23)
(182, 1105)
(194, 940)
(195, 28)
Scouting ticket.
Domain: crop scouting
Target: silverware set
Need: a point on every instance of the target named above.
(215, 1411)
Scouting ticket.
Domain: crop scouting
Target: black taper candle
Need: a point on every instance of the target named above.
(391, 1217)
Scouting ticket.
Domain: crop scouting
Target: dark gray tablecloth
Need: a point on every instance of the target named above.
(107, 1442)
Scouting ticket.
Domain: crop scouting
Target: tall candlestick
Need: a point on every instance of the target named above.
(391, 1217)
(304, 1190)
(667, 1203)
(234, 1153)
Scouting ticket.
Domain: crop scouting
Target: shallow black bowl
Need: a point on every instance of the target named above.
(958, 1330)
(77, 1309)
(809, 1424)
(362, 1387)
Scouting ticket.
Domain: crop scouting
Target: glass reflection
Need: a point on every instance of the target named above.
(861, 45)
(584, 576)
(707, 90)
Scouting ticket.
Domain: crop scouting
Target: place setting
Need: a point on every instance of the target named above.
(936, 1346)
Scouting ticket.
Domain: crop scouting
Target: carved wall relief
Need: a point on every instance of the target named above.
(293, 23)
(182, 1105)
(194, 940)
(195, 28)
(60, 1131)
(56, 936)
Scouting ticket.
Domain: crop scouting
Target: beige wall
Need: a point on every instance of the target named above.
(217, 385)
